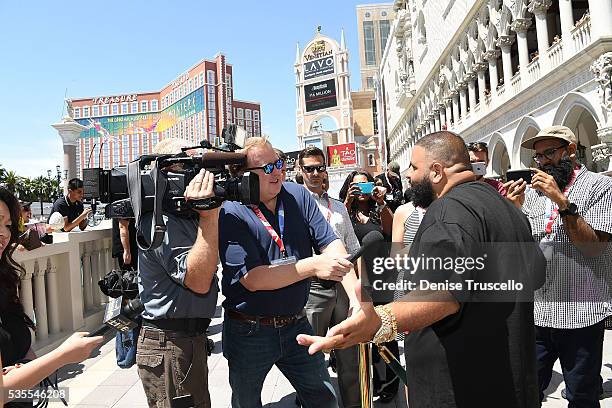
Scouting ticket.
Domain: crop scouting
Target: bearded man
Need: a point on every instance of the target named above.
(569, 211)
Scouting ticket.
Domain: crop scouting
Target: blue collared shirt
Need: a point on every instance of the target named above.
(244, 243)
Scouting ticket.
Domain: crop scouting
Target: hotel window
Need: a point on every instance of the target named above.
(145, 144)
(247, 114)
(115, 109)
(95, 111)
(124, 108)
(144, 106)
(134, 107)
(135, 146)
(201, 78)
(384, 28)
(104, 110)
(370, 83)
(154, 105)
(86, 111)
(370, 47)
(255, 115)
(116, 161)
(240, 113)
(77, 113)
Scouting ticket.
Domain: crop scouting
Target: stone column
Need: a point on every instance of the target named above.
(520, 26)
(432, 124)
(442, 110)
(602, 70)
(539, 8)
(448, 102)
(25, 290)
(53, 300)
(40, 302)
(69, 131)
(601, 18)
(437, 120)
(455, 96)
(567, 20)
(491, 57)
(462, 98)
(505, 42)
(87, 292)
(482, 83)
(470, 76)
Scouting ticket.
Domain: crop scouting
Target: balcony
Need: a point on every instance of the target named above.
(581, 34)
(59, 288)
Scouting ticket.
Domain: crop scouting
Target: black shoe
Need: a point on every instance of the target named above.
(564, 395)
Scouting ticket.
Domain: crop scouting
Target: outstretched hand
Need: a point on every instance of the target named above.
(359, 328)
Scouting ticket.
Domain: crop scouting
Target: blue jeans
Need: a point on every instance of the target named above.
(125, 347)
(251, 350)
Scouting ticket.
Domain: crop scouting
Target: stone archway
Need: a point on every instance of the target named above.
(584, 126)
(527, 128)
(500, 159)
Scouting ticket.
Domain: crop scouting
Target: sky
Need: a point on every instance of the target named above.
(50, 50)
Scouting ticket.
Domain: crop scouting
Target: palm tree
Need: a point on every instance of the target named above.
(11, 180)
(2, 173)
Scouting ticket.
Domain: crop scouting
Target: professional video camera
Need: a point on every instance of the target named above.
(156, 183)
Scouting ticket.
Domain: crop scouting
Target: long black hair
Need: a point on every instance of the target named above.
(10, 270)
(372, 213)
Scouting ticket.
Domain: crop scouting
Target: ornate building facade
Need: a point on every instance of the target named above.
(499, 71)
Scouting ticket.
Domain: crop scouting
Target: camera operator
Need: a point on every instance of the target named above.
(178, 289)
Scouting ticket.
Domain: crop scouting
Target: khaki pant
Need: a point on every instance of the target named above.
(170, 364)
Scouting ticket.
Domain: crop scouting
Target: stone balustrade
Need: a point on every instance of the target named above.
(59, 288)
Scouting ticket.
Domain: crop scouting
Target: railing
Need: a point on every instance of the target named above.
(59, 289)
(500, 90)
(581, 34)
(516, 83)
(533, 70)
(555, 54)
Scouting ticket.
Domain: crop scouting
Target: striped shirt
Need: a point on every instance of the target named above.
(578, 290)
(335, 213)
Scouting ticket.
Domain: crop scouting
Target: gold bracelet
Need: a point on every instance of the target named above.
(388, 329)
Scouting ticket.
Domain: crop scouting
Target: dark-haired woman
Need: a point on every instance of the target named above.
(369, 212)
(15, 325)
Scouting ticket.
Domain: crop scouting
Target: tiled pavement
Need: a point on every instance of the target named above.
(98, 382)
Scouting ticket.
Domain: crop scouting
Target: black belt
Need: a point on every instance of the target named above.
(276, 321)
(184, 325)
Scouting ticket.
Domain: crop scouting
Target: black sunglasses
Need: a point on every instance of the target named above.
(268, 168)
(310, 169)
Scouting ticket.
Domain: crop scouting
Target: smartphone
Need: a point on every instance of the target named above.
(479, 168)
(514, 175)
(366, 188)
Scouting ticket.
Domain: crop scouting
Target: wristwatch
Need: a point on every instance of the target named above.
(388, 329)
(572, 209)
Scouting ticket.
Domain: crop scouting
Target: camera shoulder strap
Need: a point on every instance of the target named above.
(135, 191)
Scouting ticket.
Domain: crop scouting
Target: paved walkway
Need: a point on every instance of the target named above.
(98, 382)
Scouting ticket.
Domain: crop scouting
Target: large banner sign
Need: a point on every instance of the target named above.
(320, 95)
(342, 154)
(146, 122)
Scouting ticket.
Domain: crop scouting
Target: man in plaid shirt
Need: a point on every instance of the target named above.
(570, 211)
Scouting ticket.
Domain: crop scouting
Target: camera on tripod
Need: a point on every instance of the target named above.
(156, 183)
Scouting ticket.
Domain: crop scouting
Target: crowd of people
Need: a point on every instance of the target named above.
(291, 293)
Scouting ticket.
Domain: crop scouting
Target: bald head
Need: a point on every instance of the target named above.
(446, 147)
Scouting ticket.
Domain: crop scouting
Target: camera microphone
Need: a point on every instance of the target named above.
(371, 238)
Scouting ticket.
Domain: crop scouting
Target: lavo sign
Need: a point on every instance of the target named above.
(323, 66)
(114, 99)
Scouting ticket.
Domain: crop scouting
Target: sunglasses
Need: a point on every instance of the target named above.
(310, 169)
(548, 153)
(268, 168)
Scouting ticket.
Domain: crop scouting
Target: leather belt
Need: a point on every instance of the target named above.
(276, 321)
(183, 325)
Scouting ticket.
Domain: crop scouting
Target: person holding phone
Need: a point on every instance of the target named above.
(479, 157)
(568, 208)
(366, 204)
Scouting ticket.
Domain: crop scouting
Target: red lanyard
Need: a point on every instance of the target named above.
(555, 211)
(329, 210)
(281, 224)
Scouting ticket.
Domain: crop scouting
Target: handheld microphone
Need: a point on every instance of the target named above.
(370, 239)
